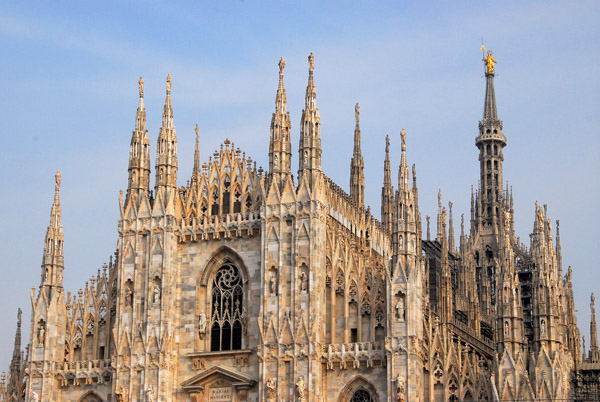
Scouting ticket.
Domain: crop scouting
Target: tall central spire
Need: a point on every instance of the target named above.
(280, 148)
(490, 142)
(310, 130)
(357, 165)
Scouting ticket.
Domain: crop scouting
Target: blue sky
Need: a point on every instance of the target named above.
(68, 97)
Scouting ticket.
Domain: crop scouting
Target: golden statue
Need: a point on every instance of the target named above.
(489, 62)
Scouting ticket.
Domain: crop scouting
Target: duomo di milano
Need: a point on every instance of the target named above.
(252, 285)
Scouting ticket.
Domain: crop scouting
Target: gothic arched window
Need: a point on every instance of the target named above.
(227, 317)
(362, 395)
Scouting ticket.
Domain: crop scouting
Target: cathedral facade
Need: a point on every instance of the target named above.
(253, 285)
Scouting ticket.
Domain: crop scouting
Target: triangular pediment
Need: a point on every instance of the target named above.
(288, 194)
(219, 375)
(303, 193)
(273, 196)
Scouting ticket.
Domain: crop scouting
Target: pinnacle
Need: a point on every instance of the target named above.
(280, 99)
(55, 210)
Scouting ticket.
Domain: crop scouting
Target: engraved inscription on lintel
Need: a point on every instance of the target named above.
(220, 394)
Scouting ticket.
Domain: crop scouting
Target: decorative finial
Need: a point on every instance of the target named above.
(403, 135)
(489, 63)
(311, 62)
(141, 87)
(197, 132)
(169, 83)
(57, 179)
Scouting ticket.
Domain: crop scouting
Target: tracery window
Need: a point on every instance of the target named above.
(362, 395)
(227, 318)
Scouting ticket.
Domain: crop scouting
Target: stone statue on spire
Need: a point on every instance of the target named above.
(356, 112)
(281, 65)
(57, 179)
(403, 135)
(311, 62)
(141, 87)
(169, 83)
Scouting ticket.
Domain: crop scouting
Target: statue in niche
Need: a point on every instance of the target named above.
(156, 297)
(506, 329)
(303, 282)
(301, 389)
(128, 294)
(400, 308)
(119, 395)
(150, 394)
(271, 389)
(400, 388)
(42, 333)
(273, 283)
(202, 325)
(543, 327)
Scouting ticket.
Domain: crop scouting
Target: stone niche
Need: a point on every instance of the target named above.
(219, 384)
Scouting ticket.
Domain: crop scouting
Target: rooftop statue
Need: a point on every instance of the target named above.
(489, 63)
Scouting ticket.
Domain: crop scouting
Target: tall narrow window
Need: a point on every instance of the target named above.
(227, 309)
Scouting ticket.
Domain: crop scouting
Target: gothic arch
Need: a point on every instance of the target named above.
(358, 383)
(90, 396)
(219, 257)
